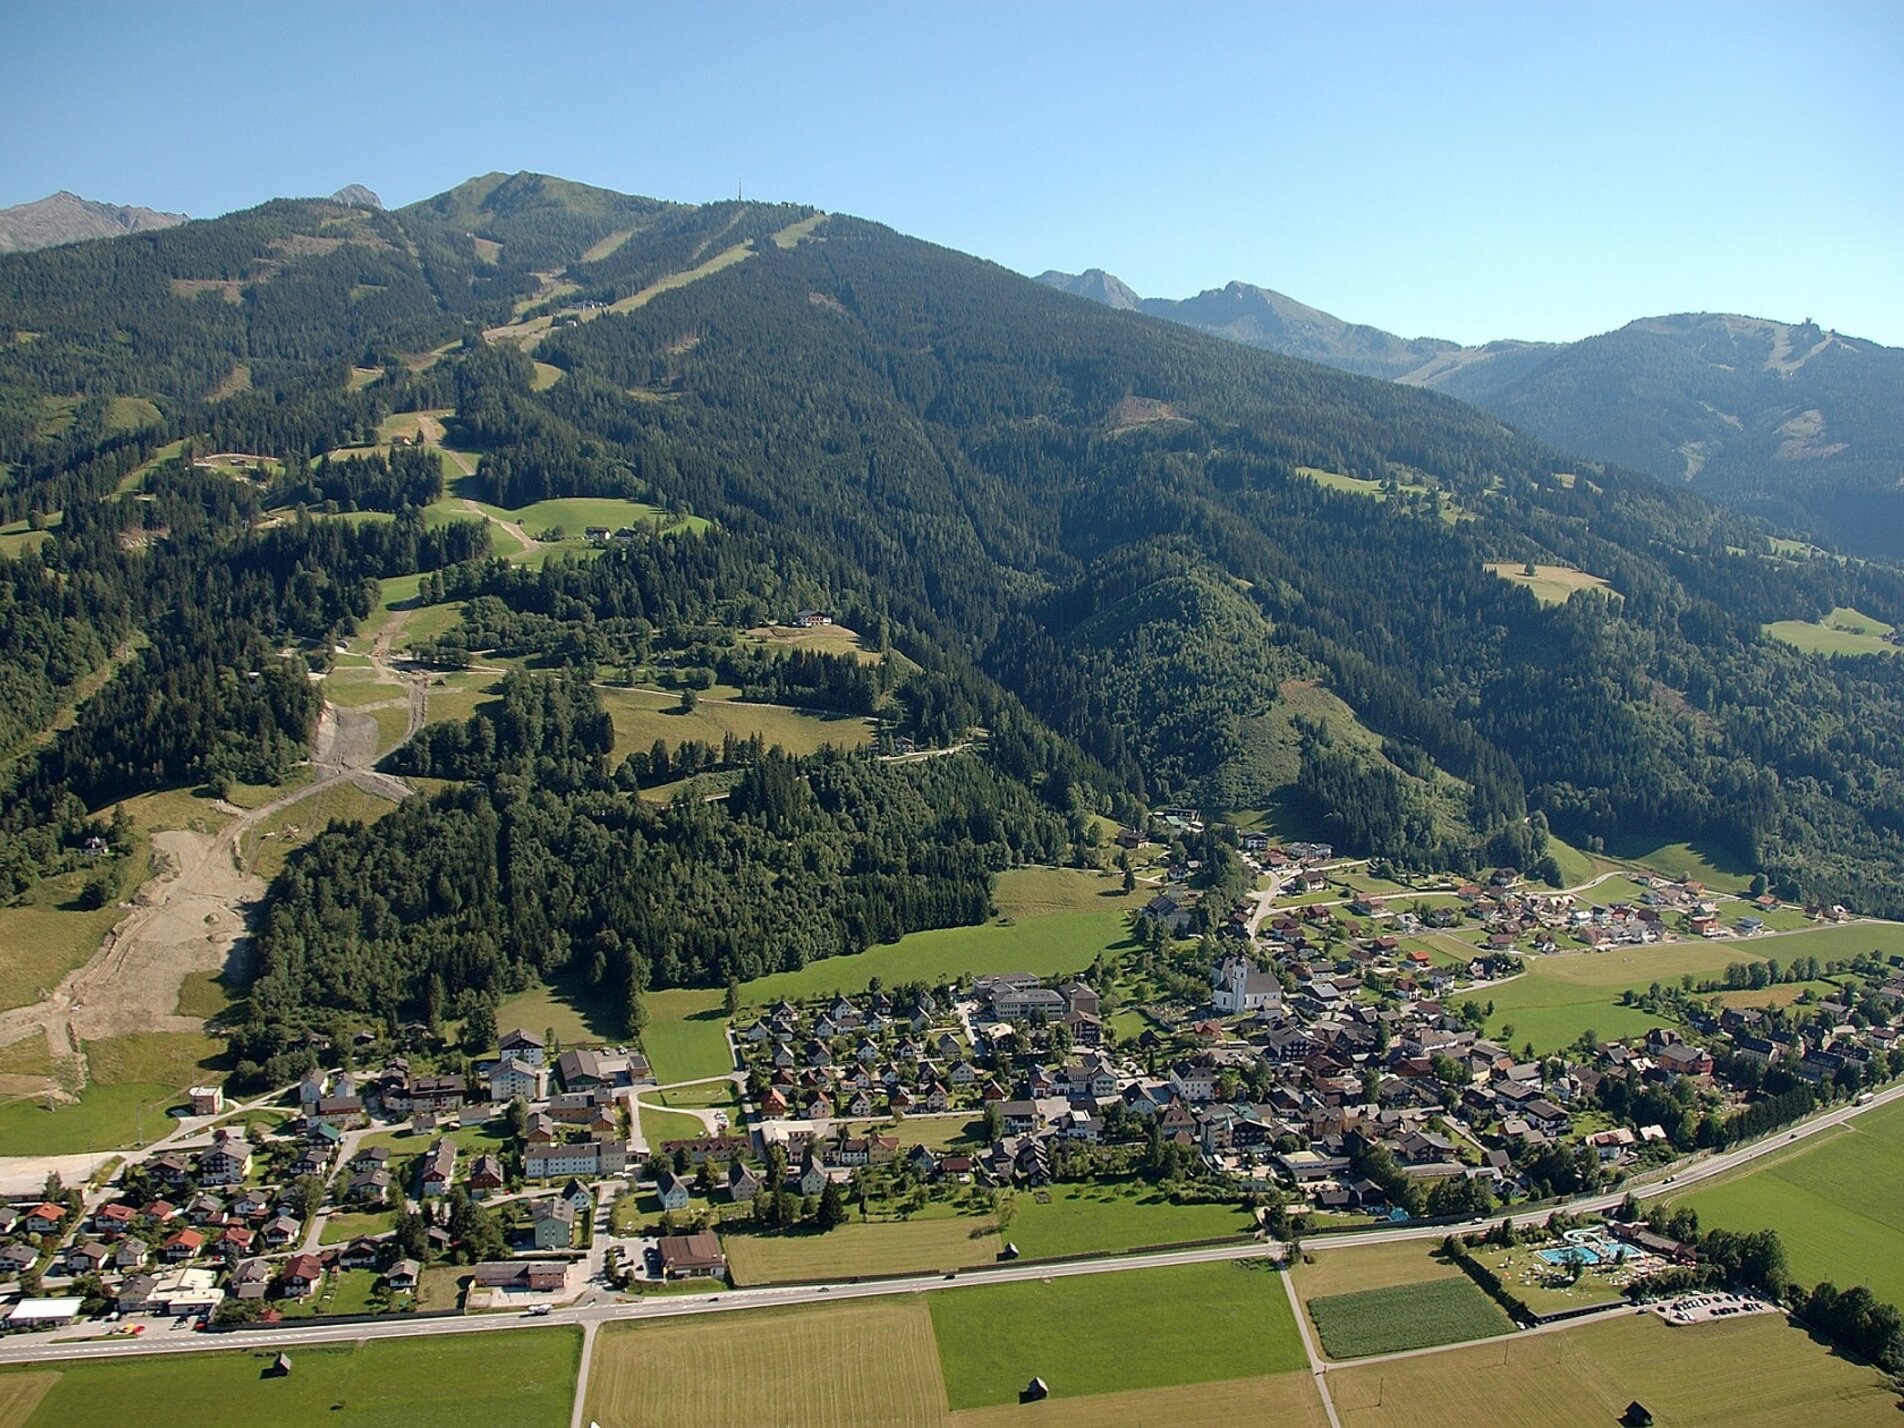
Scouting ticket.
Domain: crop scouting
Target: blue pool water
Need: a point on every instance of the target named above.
(1572, 1254)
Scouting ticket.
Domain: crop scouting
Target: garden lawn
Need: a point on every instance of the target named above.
(1405, 1316)
(924, 1244)
(1111, 1333)
(1045, 945)
(1756, 1372)
(524, 1378)
(1834, 1201)
(1113, 1215)
(658, 1125)
(341, 1228)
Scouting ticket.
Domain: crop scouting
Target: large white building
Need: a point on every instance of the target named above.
(1238, 986)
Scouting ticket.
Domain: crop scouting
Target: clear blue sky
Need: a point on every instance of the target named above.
(1461, 170)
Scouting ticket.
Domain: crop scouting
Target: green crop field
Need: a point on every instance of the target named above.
(1339, 1267)
(1112, 1333)
(1405, 1316)
(1113, 1215)
(16, 536)
(924, 1244)
(1834, 1201)
(353, 687)
(854, 1366)
(1756, 1372)
(823, 639)
(1287, 1400)
(643, 715)
(1045, 945)
(449, 1381)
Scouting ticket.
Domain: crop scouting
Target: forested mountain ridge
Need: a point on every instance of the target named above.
(1126, 561)
(67, 218)
(1782, 420)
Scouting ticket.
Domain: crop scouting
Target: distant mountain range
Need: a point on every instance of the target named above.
(68, 218)
(1791, 422)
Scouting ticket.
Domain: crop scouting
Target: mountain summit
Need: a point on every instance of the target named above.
(1784, 420)
(1095, 284)
(67, 218)
(357, 196)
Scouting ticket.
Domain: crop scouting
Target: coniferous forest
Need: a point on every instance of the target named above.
(1124, 562)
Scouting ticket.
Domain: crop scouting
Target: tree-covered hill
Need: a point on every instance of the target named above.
(1783, 420)
(1126, 561)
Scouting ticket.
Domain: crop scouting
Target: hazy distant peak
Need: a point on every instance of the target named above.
(1095, 284)
(358, 196)
(65, 217)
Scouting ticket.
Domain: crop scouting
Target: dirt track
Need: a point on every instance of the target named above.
(193, 916)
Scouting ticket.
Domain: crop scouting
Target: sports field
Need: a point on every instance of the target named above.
(448, 1381)
(1835, 1202)
(1405, 1316)
(922, 1245)
(855, 1366)
(1743, 1373)
(1114, 1333)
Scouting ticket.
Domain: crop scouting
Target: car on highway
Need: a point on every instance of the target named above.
(538, 1311)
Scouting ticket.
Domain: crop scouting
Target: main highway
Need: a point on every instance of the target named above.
(50, 1349)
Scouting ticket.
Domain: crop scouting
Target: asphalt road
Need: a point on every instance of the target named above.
(32, 1348)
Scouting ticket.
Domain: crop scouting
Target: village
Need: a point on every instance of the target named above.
(1305, 1059)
